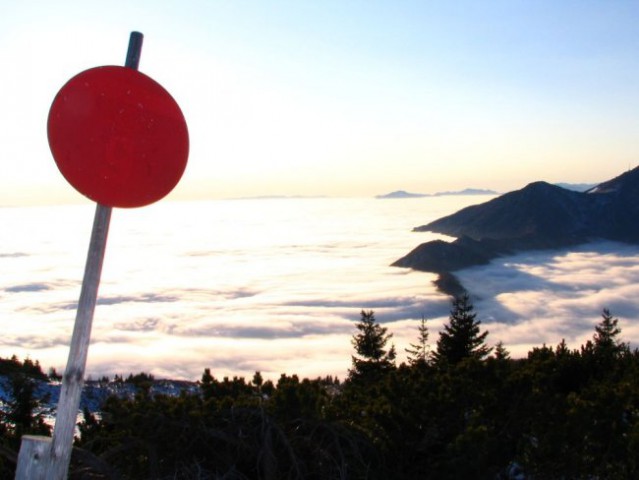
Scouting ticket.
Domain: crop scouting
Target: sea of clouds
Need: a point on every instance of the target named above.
(552, 295)
(277, 285)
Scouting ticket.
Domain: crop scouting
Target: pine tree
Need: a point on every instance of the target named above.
(606, 332)
(461, 338)
(501, 353)
(418, 353)
(606, 346)
(23, 408)
(373, 358)
(258, 380)
(562, 349)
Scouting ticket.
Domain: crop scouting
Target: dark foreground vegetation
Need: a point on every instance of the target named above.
(460, 410)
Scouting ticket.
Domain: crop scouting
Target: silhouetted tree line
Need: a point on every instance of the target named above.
(459, 410)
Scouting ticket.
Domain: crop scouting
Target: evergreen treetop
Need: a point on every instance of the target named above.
(418, 352)
(605, 339)
(370, 345)
(461, 337)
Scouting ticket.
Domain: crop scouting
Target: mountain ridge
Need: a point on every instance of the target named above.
(538, 216)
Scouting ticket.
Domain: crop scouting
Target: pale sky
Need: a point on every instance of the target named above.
(343, 98)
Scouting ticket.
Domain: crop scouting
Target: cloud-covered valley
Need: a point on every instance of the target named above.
(177, 297)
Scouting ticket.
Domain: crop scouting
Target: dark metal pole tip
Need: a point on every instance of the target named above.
(135, 50)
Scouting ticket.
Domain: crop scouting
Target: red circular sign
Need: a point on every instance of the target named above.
(118, 136)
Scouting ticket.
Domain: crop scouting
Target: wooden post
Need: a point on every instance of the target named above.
(33, 460)
(73, 379)
(42, 458)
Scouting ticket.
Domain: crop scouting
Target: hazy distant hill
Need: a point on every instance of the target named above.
(402, 194)
(466, 191)
(577, 187)
(538, 216)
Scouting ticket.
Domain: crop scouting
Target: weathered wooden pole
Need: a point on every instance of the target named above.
(42, 458)
(73, 379)
(34, 458)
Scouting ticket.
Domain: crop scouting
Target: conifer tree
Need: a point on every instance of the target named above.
(23, 408)
(606, 345)
(461, 338)
(501, 353)
(562, 349)
(258, 380)
(418, 353)
(370, 345)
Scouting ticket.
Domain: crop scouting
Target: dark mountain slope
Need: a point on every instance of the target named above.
(539, 216)
(539, 209)
(619, 206)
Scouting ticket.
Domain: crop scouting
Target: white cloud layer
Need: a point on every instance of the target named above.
(544, 296)
(277, 285)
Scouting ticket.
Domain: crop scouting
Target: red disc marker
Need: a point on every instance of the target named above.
(118, 137)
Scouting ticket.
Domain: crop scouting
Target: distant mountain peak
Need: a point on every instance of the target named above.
(401, 194)
(465, 191)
